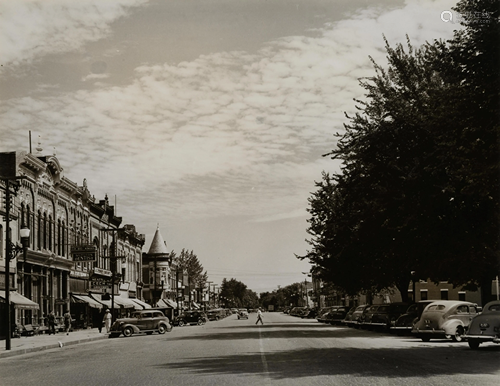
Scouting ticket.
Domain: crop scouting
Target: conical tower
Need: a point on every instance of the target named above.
(158, 245)
(157, 265)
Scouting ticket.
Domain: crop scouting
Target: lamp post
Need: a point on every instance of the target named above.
(112, 257)
(11, 252)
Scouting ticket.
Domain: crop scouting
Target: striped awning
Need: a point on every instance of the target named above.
(87, 299)
(19, 301)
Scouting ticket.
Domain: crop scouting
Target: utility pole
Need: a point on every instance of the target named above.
(209, 282)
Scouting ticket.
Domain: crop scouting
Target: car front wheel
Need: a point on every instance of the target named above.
(127, 331)
(200, 322)
(162, 329)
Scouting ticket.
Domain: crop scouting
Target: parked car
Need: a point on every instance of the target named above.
(405, 322)
(190, 317)
(309, 314)
(356, 315)
(146, 321)
(348, 316)
(242, 314)
(386, 315)
(365, 319)
(486, 326)
(337, 314)
(216, 314)
(445, 318)
(297, 311)
(321, 317)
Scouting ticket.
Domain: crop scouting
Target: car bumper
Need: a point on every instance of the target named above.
(483, 338)
(428, 332)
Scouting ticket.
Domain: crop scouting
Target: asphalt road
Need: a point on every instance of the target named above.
(284, 351)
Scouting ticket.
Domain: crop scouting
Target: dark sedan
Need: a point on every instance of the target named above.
(485, 327)
(190, 317)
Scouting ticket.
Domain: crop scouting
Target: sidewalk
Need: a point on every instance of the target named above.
(27, 344)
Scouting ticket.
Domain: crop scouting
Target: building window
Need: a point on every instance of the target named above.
(423, 295)
(50, 233)
(39, 231)
(444, 294)
(461, 296)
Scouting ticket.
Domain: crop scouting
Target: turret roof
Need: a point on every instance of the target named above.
(158, 245)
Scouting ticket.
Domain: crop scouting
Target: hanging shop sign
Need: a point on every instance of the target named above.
(84, 252)
(100, 283)
(102, 272)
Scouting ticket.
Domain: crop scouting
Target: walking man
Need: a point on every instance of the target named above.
(67, 321)
(107, 320)
(259, 317)
(51, 320)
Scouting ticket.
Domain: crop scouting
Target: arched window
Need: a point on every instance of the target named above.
(28, 223)
(45, 233)
(59, 237)
(63, 239)
(50, 233)
(39, 231)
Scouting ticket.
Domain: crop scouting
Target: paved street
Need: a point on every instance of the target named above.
(284, 351)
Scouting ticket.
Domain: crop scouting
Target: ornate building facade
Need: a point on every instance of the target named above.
(64, 219)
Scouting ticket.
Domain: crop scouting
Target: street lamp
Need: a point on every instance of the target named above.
(11, 251)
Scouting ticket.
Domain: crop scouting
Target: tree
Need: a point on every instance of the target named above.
(419, 184)
(187, 262)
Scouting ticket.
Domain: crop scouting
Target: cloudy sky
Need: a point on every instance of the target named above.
(207, 117)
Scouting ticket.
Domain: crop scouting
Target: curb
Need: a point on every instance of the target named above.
(11, 353)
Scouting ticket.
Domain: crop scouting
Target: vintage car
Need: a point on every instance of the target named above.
(356, 316)
(337, 315)
(486, 326)
(386, 314)
(365, 319)
(445, 318)
(322, 313)
(216, 314)
(404, 323)
(190, 317)
(144, 321)
(348, 316)
(242, 314)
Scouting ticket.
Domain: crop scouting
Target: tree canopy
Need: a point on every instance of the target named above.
(418, 189)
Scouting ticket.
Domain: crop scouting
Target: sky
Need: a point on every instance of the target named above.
(207, 118)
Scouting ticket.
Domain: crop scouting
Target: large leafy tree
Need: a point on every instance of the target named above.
(419, 186)
(188, 262)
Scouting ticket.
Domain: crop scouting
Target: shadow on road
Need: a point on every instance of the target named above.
(386, 362)
(270, 331)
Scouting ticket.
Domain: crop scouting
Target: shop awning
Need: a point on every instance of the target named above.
(87, 299)
(143, 305)
(19, 301)
(127, 303)
(166, 303)
(107, 303)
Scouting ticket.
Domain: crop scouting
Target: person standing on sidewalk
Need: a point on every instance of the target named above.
(51, 319)
(259, 317)
(107, 321)
(67, 321)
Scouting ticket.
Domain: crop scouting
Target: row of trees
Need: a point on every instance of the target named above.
(235, 294)
(419, 184)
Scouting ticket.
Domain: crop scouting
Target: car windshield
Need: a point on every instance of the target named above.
(383, 309)
(494, 307)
